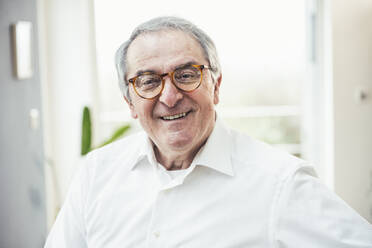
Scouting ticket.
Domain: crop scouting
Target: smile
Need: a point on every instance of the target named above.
(173, 117)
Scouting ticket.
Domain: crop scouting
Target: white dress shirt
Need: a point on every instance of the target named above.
(238, 192)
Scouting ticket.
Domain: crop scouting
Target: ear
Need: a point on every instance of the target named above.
(217, 84)
(131, 107)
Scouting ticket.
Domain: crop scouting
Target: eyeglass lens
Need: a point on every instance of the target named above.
(150, 85)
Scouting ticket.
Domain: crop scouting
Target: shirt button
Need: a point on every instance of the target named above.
(156, 234)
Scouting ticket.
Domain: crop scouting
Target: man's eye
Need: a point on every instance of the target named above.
(148, 83)
(187, 75)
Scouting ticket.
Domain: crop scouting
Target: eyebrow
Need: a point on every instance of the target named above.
(140, 72)
(186, 64)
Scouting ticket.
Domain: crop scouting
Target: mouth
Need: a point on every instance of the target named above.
(175, 117)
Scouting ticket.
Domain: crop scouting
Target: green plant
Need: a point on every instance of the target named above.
(86, 133)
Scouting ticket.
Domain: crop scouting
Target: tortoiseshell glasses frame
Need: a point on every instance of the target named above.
(149, 85)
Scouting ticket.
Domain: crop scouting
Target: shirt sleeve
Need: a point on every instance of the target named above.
(68, 231)
(310, 215)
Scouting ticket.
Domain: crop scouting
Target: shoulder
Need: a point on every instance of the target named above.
(115, 159)
(125, 145)
(123, 151)
(250, 154)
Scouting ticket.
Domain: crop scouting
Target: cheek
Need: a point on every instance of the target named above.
(211, 98)
(145, 110)
(207, 106)
(215, 98)
(133, 112)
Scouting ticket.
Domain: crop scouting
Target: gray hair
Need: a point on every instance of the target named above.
(164, 23)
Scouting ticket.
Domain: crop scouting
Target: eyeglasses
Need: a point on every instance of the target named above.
(187, 78)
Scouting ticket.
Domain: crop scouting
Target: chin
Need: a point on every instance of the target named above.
(179, 142)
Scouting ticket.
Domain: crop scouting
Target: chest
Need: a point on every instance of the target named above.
(214, 211)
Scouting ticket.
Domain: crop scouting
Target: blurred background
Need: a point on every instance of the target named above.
(296, 74)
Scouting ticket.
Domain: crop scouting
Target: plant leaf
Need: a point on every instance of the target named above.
(116, 135)
(86, 132)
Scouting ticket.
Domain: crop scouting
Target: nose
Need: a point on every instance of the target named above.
(170, 94)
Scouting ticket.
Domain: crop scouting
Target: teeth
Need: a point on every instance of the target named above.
(172, 117)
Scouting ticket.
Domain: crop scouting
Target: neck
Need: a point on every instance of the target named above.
(176, 160)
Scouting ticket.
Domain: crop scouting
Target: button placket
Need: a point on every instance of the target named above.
(156, 234)
(154, 230)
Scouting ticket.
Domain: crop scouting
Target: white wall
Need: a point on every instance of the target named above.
(352, 69)
(68, 68)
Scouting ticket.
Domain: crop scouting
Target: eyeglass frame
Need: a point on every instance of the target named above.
(170, 74)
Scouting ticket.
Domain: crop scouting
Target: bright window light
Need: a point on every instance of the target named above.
(261, 45)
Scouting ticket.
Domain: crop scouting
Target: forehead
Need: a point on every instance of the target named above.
(162, 51)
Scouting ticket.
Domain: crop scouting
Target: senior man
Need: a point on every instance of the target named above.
(188, 181)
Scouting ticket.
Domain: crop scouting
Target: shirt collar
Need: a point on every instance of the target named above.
(144, 151)
(215, 154)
